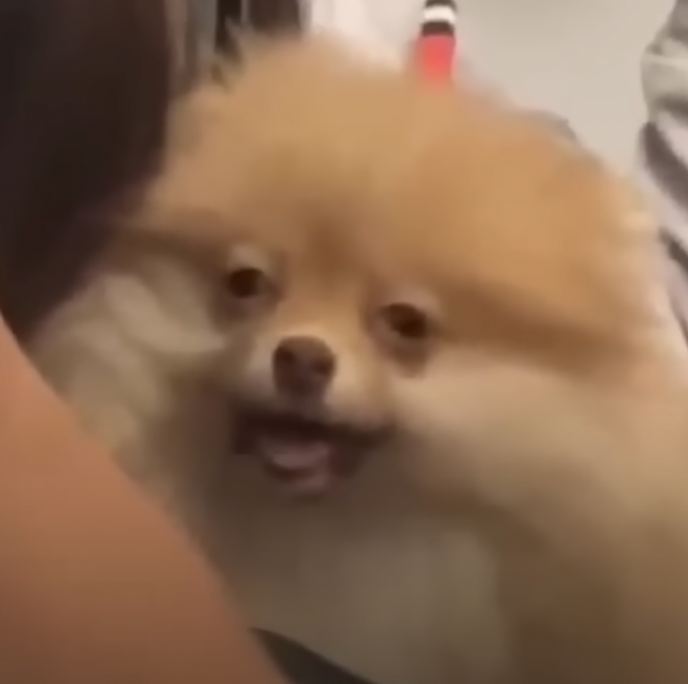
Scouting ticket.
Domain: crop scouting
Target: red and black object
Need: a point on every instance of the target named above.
(437, 45)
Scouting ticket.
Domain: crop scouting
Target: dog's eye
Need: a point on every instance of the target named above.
(406, 322)
(247, 283)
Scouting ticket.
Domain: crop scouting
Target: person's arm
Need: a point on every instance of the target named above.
(95, 586)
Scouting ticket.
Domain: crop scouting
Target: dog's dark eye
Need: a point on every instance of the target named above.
(406, 322)
(247, 283)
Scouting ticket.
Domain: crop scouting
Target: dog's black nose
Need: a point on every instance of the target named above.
(303, 366)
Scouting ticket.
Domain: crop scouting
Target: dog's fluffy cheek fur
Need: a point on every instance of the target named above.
(480, 428)
(120, 351)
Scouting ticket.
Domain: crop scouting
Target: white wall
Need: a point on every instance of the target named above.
(579, 58)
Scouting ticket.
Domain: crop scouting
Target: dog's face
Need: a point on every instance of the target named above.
(311, 356)
(367, 238)
(316, 327)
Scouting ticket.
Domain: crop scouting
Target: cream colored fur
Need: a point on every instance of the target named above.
(527, 523)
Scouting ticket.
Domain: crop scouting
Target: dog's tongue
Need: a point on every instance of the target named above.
(296, 456)
(303, 466)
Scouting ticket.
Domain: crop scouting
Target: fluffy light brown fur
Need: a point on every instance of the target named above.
(525, 523)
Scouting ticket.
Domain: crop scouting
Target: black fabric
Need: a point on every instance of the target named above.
(302, 666)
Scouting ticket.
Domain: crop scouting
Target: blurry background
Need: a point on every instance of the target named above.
(579, 58)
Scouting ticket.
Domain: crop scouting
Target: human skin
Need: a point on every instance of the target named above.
(95, 585)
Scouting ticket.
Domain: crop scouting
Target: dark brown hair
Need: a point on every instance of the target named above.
(84, 89)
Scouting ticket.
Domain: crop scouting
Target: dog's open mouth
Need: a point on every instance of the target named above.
(304, 455)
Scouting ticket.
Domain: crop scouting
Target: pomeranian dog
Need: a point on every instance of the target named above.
(398, 357)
